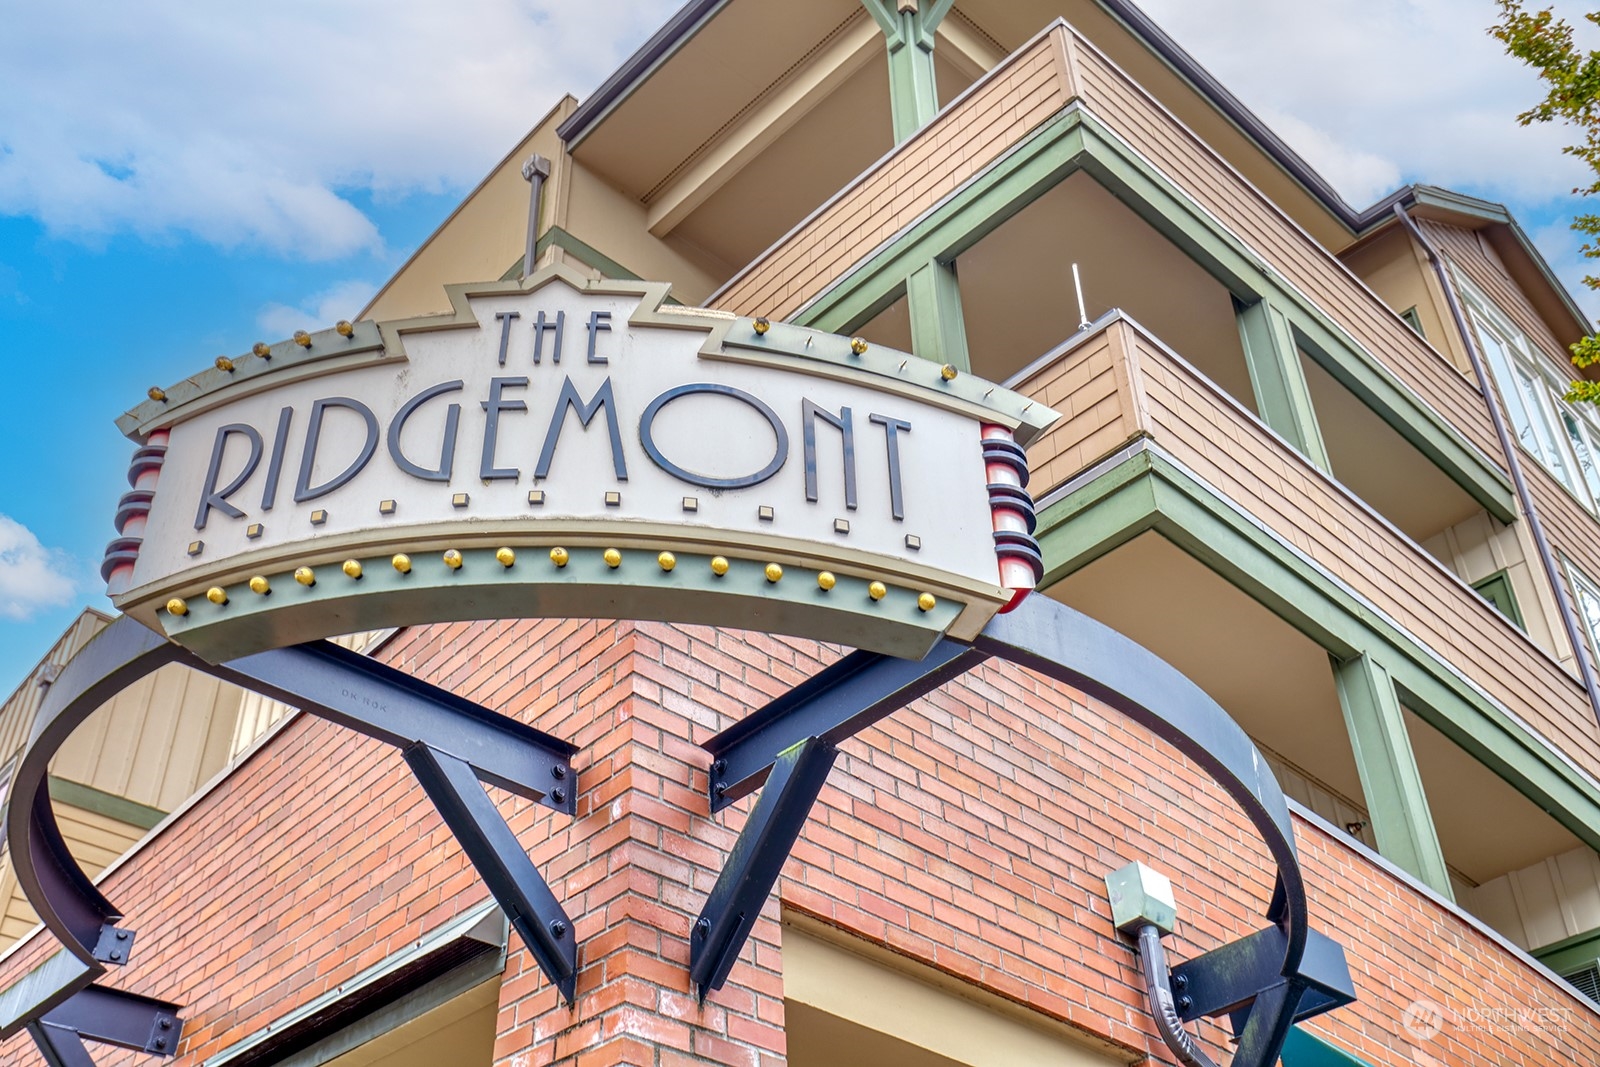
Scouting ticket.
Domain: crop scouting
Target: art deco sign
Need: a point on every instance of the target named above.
(568, 448)
(571, 448)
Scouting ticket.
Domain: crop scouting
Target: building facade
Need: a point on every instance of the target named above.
(1315, 458)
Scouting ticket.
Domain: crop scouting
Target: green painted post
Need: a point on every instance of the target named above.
(1282, 397)
(938, 328)
(1396, 802)
(908, 29)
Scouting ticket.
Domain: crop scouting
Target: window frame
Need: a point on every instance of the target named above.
(1585, 591)
(1497, 590)
(1543, 423)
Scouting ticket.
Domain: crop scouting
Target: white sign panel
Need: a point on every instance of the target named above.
(568, 416)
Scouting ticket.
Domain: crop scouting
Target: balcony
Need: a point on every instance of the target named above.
(1153, 572)
(1117, 383)
(1059, 109)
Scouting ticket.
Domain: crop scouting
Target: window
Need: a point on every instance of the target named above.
(1413, 320)
(1588, 597)
(1496, 589)
(1564, 438)
(1586, 981)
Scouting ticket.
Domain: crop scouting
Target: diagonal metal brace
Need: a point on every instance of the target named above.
(833, 705)
(1229, 979)
(59, 1046)
(735, 903)
(111, 1016)
(1260, 1034)
(493, 849)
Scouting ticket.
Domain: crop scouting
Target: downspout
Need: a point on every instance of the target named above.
(1569, 616)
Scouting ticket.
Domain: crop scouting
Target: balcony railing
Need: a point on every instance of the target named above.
(1117, 383)
(1058, 68)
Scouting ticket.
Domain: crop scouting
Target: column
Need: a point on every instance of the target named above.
(1282, 397)
(908, 29)
(1390, 780)
(938, 329)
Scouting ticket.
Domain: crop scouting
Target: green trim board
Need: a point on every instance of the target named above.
(556, 237)
(1142, 489)
(938, 327)
(1278, 379)
(1305, 1049)
(1571, 954)
(87, 797)
(1074, 140)
(587, 254)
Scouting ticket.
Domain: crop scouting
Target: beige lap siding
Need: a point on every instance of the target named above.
(1092, 391)
(1206, 432)
(1484, 268)
(1016, 97)
(1183, 158)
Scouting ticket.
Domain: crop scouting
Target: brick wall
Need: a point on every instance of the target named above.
(969, 832)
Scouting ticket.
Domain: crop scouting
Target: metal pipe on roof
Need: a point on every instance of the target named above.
(1569, 615)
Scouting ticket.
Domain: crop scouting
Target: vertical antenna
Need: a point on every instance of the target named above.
(536, 170)
(1077, 285)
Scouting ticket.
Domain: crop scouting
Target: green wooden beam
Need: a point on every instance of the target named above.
(1390, 780)
(1278, 380)
(1304, 1049)
(908, 32)
(1148, 491)
(938, 328)
(1073, 141)
(100, 802)
(1108, 511)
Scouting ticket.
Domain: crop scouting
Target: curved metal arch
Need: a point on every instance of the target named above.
(1052, 639)
(68, 903)
(426, 722)
(789, 746)
(1041, 635)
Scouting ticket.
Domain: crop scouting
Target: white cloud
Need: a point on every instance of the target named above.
(1562, 249)
(318, 311)
(266, 125)
(252, 124)
(1380, 92)
(32, 577)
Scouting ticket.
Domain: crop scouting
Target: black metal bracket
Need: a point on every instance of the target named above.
(389, 705)
(520, 890)
(110, 1016)
(834, 705)
(790, 746)
(796, 777)
(1244, 980)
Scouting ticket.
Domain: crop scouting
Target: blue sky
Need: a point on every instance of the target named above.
(179, 179)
